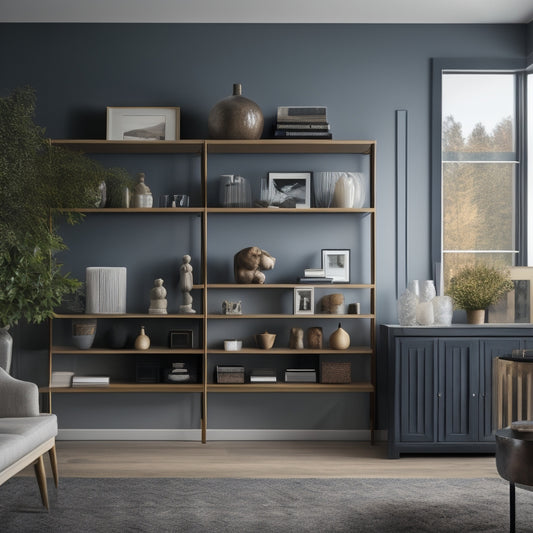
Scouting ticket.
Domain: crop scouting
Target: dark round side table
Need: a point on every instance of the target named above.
(514, 460)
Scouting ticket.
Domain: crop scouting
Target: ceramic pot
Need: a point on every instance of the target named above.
(142, 342)
(117, 336)
(6, 349)
(235, 117)
(475, 316)
(83, 332)
(265, 340)
(339, 339)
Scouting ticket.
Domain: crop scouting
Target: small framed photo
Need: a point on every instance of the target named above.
(180, 338)
(143, 123)
(336, 265)
(304, 301)
(290, 189)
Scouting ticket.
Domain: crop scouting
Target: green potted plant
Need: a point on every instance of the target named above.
(477, 287)
(36, 178)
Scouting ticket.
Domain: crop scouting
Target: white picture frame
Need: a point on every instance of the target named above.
(283, 186)
(304, 301)
(336, 265)
(143, 124)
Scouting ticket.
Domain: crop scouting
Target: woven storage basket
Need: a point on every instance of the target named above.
(227, 375)
(336, 372)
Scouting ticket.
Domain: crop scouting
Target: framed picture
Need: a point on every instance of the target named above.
(143, 123)
(336, 265)
(304, 301)
(180, 338)
(517, 305)
(290, 188)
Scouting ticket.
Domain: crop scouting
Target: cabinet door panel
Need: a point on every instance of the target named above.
(458, 390)
(491, 348)
(415, 386)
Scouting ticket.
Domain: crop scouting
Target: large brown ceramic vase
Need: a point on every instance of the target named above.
(235, 117)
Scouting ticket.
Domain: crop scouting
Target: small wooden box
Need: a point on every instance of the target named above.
(230, 374)
(331, 372)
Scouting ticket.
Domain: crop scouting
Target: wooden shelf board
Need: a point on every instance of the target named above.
(290, 387)
(145, 210)
(232, 286)
(354, 350)
(276, 210)
(102, 146)
(163, 350)
(290, 146)
(129, 387)
(130, 315)
(321, 316)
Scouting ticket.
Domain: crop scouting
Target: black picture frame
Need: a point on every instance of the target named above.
(180, 339)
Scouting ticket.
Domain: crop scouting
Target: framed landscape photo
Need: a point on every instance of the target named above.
(290, 189)
(336, 265)
(143, 123)
(517, 305)
(304, 301)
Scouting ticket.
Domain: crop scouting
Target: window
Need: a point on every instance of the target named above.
(478, 194)
(479, 166)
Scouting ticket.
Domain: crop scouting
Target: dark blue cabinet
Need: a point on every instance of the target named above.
(440, 385)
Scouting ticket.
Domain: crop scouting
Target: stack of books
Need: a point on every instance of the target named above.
(302, 122)
(179, 373)
(315, 275)
(90, 381)
(61, 379)
(263, 375)
(300, 375)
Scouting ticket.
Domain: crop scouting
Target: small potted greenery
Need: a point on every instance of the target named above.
(477, 287)
(36, 178)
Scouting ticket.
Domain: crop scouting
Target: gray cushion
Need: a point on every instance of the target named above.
(19, 436)
(17, 398)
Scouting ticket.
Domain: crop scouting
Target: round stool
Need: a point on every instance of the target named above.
(514, 461)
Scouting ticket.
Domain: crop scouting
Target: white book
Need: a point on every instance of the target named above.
(61, 379)
(314, 273)
(90, 380)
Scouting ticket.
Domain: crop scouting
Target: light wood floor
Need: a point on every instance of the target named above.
(258, 459)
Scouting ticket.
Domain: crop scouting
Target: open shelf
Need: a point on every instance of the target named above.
(203, 216)
(353, 350)
(290, 387)
(128, 387)
(162, 350)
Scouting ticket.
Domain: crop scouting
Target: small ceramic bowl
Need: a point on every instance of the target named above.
(232, 345)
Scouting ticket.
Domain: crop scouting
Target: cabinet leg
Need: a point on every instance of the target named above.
(512, 507)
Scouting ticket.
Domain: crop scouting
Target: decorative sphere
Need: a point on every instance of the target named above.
(235, 117)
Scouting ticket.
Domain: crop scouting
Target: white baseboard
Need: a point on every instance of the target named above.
(219, 434)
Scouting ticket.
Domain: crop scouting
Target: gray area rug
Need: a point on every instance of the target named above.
(263, 505)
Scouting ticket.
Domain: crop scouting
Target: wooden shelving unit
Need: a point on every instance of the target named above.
(207, 347)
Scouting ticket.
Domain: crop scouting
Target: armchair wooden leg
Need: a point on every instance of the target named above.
(41, 479)
(53, 462)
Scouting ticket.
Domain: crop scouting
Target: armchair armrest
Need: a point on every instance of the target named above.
(17, 398)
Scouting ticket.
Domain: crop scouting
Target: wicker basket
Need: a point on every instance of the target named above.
(336, 372)
(228, 374)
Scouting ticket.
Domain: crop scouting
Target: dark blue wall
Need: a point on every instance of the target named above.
(363, 73)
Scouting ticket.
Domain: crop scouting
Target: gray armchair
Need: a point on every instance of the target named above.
(25, 434)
